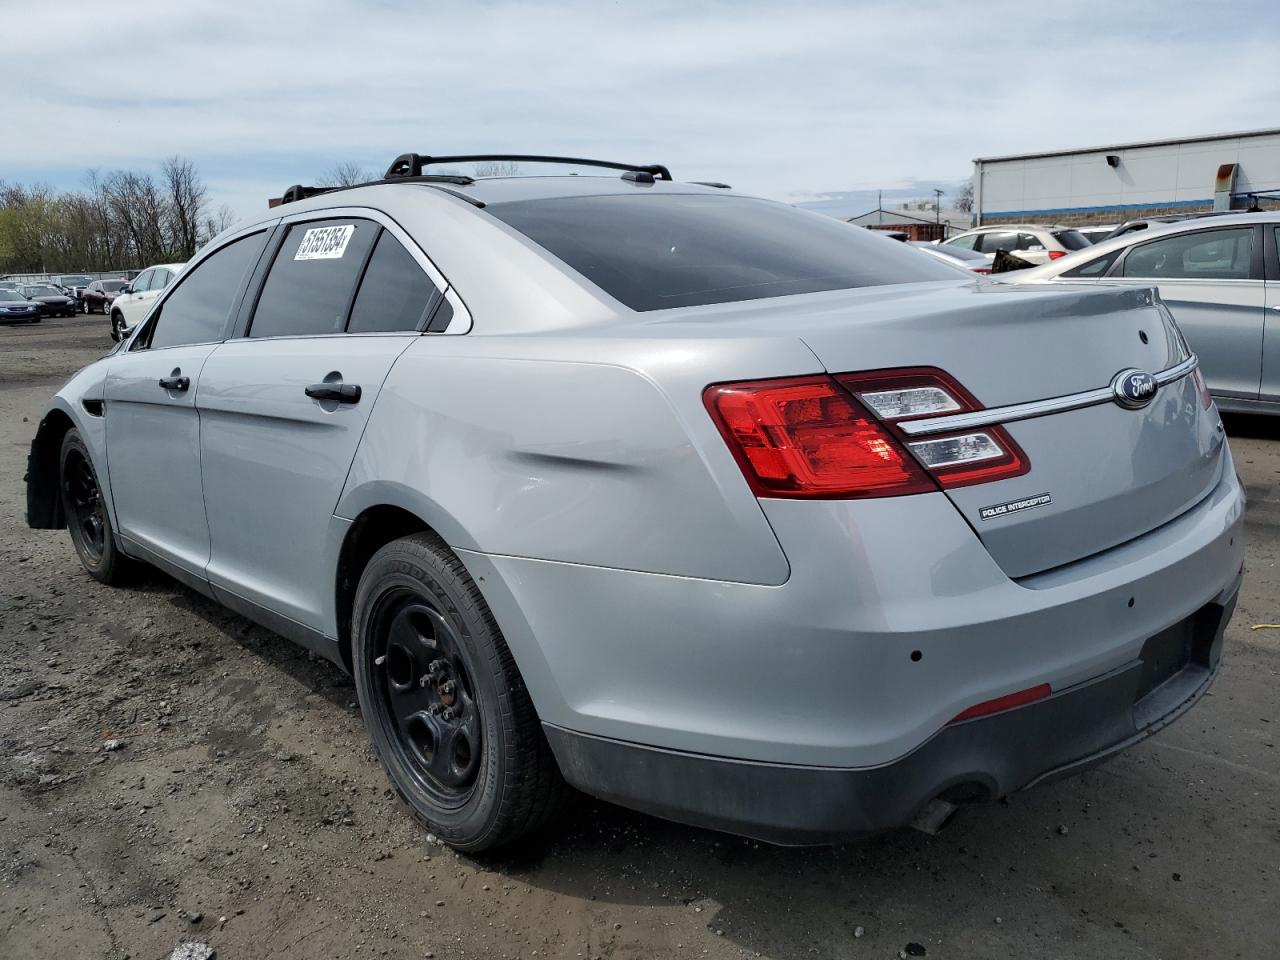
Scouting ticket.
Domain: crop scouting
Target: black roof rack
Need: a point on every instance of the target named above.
(411, 164)
(299, 192)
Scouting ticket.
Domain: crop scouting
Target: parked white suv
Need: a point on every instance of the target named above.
(132, 302)
(1029, 242)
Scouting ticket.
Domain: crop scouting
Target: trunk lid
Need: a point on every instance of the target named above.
(1099, 475)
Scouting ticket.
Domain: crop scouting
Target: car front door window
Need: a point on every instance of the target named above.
(198, 309)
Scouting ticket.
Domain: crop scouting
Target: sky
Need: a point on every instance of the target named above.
(820, 103)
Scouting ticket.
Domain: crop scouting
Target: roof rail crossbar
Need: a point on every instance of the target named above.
(299, 192)
(411, 164)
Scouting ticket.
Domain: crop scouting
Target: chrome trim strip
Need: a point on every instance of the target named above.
(1177, 372)
(1035, 408)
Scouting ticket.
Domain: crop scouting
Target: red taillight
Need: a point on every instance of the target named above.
(808, 437)
(805, 437)
(1007, 702)
(983, 270)
(1055, 254)
(1206, 398)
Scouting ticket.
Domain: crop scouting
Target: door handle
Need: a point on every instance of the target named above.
(335, 392)
(175, 382)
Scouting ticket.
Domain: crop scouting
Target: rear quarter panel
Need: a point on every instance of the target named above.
(584, 450)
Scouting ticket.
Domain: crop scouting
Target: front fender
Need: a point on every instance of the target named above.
(78, 404)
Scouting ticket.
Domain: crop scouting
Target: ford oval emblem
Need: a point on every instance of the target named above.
(1134, 389)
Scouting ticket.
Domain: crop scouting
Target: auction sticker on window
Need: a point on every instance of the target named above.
(325, 243)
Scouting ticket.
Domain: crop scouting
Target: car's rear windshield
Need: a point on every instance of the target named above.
(42, 292)
(657, 251)
(112, 286)
(1071, 239)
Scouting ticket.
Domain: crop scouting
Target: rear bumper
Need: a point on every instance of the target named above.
(985, 758)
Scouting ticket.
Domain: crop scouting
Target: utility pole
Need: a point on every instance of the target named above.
(937, 204)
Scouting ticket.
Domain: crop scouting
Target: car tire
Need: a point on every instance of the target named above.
(425, 644)
(88, 519)
(117, 322)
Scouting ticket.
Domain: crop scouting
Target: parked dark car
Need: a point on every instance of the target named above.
(97, 297)
(52, 301)
(15, 308)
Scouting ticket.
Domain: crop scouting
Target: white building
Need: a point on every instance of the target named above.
(1128, 180)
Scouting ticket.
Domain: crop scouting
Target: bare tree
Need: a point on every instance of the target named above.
(345, 174)
(216, 222)
(496, 168)
(964, 197)
(185, 200)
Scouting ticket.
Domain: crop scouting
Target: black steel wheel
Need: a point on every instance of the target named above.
(117, 327)
(426, 694)
(86, 513)
(443, 701)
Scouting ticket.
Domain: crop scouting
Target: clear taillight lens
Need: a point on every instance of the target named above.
(839, 437)
(954, 459)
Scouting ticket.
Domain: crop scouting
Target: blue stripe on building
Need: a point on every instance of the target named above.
(1115, 207)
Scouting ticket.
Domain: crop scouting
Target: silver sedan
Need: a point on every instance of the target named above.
(1221, 279)
(693, 501)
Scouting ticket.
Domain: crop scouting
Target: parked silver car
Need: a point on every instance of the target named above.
(700, 503)
(1220, 277)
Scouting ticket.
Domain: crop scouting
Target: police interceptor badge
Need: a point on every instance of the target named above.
(1013, 506)
(325, 243)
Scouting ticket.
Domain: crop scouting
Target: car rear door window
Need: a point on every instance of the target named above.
(1029, 241)
(198, 308)
(394, 294)
(309, 287)
(1202, 255)
(160, 279)
(661, 250)
(994, 242)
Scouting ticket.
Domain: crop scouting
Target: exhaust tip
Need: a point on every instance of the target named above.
(934, 816)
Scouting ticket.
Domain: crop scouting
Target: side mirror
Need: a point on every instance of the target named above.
(123, 290)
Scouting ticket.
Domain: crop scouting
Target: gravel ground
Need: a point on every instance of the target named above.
(242, 806)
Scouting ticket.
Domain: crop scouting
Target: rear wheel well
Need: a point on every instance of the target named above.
(371, 531)
(44, 501)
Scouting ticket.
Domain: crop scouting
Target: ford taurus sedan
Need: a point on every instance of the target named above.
(696, 502)
(1220, 277)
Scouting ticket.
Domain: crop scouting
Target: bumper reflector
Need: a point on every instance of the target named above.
(1007, 702)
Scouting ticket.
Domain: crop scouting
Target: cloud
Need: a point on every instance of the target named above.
(785, 100)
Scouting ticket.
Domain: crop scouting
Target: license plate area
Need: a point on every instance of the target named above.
(1186, 643)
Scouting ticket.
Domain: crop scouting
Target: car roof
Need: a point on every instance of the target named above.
(1019, 226)
(1157, 229)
